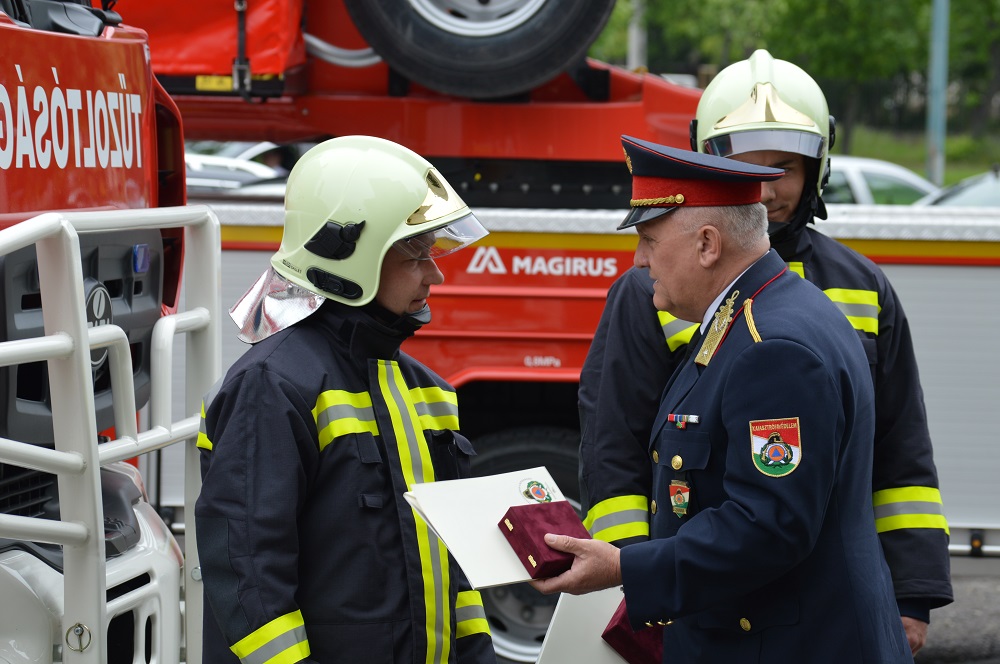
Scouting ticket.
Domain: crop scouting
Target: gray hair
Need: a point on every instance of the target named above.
(745, 225)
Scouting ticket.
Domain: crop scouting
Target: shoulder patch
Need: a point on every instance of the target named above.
(776, 445)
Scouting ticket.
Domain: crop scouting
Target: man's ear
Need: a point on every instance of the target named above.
(709, 241)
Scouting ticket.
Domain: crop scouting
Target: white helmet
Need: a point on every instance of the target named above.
(347, 201)
(764, 104)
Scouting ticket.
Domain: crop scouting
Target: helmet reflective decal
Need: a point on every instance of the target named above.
(764, 105)
(441, 200)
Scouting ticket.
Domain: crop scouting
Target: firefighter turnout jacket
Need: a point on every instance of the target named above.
(620, 389)
(308, 550)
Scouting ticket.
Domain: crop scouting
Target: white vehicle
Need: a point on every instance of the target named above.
(864, 181)
(209, 175)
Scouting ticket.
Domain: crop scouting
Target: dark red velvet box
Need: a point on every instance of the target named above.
(642, 647)
(525, 526)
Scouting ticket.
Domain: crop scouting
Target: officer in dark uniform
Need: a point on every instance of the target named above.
(770, 112)
(309, 552)
(763, 541)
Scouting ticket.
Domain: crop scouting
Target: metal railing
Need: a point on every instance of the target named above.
(77, 456)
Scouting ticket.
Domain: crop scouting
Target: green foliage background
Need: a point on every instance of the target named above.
(871, 58)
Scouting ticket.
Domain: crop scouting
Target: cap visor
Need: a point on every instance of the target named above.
(639, 215)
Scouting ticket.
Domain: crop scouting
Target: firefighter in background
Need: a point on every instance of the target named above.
(308, 550)
(771, 113)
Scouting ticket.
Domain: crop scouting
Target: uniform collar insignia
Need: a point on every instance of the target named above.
(716, 330)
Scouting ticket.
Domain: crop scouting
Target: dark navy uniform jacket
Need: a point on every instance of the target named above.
(763, 545)
(620, 389)
(308, 550)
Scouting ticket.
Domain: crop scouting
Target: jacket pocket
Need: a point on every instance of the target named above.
(752, 615)
(679, 455)
(452, 454)
(373, 480)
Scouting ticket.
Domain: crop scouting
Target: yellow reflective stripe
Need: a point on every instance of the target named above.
(338, 413)
(203, 442)
(437, 408)
(860, 306)
(796, 268)
(901, 521)
(293, 654)
(618, 518)
(925, 494)
(470, 615)
(677, 332)
(261, 646)
(416, 465)
(909, 507)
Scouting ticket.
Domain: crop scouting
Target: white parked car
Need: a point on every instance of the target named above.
(211, 174)
(865, 181)
(982, 190)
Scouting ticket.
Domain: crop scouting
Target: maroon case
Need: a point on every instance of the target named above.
(642, 647)
(525, 526)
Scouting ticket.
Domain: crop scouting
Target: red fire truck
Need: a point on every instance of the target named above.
(501, 98)
(499, 95)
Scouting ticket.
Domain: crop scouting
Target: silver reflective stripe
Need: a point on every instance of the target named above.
(908, 507)
(413, 447)
(858, 310)
(436, 409)
(619, 519)
(676, 326)
(471, 612)
(276, 646)
(212, 393)
(343, 412)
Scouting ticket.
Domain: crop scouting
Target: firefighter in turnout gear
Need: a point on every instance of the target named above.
(309, 551)
(770, 112)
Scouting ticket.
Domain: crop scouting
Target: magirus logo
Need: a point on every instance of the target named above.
(488, 259)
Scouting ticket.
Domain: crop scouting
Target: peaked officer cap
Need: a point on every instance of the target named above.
(665, 178)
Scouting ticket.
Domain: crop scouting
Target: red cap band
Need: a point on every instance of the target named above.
(648, 191)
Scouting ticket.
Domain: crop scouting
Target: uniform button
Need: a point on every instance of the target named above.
(652, 507)
(676, 462)
(744, 624)
(656, 457)
(661, 623)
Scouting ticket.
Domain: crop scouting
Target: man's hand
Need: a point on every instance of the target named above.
(596, 566)
(916, 633)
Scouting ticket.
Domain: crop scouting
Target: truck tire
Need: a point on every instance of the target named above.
(518, 614)
(481, 49)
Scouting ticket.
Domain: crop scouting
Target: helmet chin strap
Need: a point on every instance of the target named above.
(810, 207)
(422, 317)
(405, 324)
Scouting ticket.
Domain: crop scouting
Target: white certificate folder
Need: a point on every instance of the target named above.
(574, 635)
(464, 514)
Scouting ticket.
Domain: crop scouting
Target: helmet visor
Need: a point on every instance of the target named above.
(442, 241)
(782, 140)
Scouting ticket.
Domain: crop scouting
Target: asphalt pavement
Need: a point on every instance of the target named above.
(968, 630)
